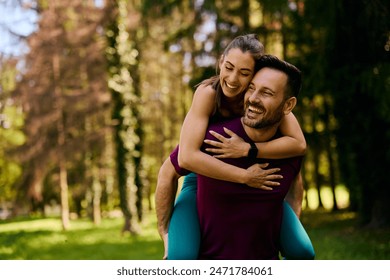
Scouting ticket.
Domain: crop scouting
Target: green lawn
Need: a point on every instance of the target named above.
(43, 239)
(334, 236)
(337, 236)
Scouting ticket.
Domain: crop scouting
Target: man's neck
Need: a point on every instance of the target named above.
(260, 134)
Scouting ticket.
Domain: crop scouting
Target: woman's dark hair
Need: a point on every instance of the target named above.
(246, 43)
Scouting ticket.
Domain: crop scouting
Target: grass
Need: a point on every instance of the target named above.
(335, 236)
(44, 239)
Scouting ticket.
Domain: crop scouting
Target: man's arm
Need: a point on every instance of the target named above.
(294, 196)
(166, 189)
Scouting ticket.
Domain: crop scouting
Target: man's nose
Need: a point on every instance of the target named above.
(254, 97)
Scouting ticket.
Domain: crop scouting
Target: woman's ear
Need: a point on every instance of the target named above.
(289, 105)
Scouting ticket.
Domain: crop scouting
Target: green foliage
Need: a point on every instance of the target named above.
(10, 172)
(11, 135)
(346, 62)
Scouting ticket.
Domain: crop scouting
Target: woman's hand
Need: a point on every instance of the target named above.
(261, 178)
(233, 147)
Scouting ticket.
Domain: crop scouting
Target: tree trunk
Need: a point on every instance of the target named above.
(61, 144)
(329, 154)
(316, 161)
(97, 194)
(120, 84)
(64, 196)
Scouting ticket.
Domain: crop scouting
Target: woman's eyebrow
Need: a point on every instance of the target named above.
(242, 69)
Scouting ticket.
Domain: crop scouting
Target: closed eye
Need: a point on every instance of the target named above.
(251, 88)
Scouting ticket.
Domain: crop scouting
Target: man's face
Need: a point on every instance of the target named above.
(264, 99)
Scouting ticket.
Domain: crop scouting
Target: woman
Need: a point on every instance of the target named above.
(215, 99)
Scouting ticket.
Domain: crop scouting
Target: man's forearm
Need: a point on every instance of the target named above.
(165, 195)
(164, 209)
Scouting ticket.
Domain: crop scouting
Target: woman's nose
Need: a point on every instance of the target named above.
(234, 77)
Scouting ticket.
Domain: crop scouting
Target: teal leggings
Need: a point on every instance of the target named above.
(184, 231)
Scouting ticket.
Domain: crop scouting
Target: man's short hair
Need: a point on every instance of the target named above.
(294, 81)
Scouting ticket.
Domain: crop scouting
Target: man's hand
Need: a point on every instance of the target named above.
(261, 178)
(233, 147)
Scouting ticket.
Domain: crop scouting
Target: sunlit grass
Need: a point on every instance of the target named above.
(45, 240)
(31, 225)
(335, 236)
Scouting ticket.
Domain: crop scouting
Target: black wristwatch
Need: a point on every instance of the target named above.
(252, 154)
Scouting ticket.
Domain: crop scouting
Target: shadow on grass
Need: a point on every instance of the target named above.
(338, 236)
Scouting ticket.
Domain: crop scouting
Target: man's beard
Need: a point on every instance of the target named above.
(268, 119)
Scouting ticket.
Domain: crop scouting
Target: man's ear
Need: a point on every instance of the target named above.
(289, 105)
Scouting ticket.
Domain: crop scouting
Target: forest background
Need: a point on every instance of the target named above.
(93, 103)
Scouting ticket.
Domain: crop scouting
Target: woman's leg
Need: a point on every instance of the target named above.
(294, 241)
(184, 231)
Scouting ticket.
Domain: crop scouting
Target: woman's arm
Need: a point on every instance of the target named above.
(191, 140)
(291, 144)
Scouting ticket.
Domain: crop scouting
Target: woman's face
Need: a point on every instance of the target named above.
(236, 72)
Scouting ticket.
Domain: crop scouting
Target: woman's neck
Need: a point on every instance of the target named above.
(233, 105)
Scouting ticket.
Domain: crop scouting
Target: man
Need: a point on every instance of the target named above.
(236, 221)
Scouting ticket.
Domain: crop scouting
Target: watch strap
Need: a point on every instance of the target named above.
(253, 151)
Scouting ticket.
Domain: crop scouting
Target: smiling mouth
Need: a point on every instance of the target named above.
(255, 110)
(230, 86)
